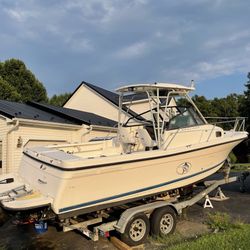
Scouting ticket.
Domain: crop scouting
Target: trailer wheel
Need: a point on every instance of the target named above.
(163, 221)
(136, 230)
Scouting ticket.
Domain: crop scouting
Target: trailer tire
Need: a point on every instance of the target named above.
(137, 230)
(163, 221)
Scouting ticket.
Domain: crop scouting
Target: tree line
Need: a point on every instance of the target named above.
(17, 83)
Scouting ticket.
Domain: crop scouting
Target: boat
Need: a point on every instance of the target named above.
(166, 147)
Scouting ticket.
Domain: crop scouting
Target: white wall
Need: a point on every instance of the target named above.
(41, 135)
(140, 107)
(87, 100)
(98, 133)
(45, 135)
(34, 135)
(0, 154)
(3, 131)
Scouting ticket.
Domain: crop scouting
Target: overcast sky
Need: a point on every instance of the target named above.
(114, 42)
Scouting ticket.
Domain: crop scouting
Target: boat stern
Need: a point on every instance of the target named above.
(16, 195)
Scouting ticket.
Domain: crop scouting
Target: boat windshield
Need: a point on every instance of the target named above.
(186, 117)
(179, 113)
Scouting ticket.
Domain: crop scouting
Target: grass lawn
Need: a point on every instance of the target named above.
(234, 238)
(231, 234)
(240, 167)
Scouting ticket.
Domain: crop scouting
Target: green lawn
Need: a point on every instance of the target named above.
(234, 238)
(241, 166)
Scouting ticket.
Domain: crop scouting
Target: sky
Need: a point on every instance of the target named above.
(115, 42)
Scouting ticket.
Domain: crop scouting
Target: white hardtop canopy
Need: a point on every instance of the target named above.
(153, 86)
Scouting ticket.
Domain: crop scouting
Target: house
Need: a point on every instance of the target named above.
(106, 103)
(34, 124)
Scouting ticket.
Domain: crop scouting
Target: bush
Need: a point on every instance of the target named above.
(233, 158)
(219, 221)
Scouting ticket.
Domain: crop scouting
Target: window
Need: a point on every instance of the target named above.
(186, 117)
(218, 134)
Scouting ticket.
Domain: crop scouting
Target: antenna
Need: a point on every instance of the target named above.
(192, 84)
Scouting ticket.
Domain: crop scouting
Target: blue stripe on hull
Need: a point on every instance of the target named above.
(65, 209)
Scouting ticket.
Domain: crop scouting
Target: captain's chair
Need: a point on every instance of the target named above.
(145, 139)
(127, 139)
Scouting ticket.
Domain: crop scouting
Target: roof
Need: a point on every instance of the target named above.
(114, 98)
(109, 95)
(25, 111)
(135, 97)
(50, 113)
(151, 86)
(77, 116)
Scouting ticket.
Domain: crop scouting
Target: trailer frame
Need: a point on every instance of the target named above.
(101, 228)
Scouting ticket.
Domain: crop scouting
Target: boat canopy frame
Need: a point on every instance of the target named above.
(158, 96)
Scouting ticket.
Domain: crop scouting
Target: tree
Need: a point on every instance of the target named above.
(59, 100)
(205, 106)
(14, 73)
(228, 106)
(8, 92)
(245, 108)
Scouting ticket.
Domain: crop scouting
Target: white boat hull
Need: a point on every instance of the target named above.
(106, 183)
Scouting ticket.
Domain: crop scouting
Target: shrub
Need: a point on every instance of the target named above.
(219, 221)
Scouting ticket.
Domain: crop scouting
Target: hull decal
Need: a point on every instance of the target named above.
(67, 209)
(126, 162)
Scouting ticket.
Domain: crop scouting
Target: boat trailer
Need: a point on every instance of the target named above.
(133, 221)
(128, 223)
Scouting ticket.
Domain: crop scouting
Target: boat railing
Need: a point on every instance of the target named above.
(232, 123)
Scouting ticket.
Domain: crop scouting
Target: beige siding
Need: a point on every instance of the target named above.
(1, 156)
(34, 143)
(11, 154)
(3, 132)
(140, 107)
(87, 100)
(96, 133)
(39, 136)
(34, 135)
